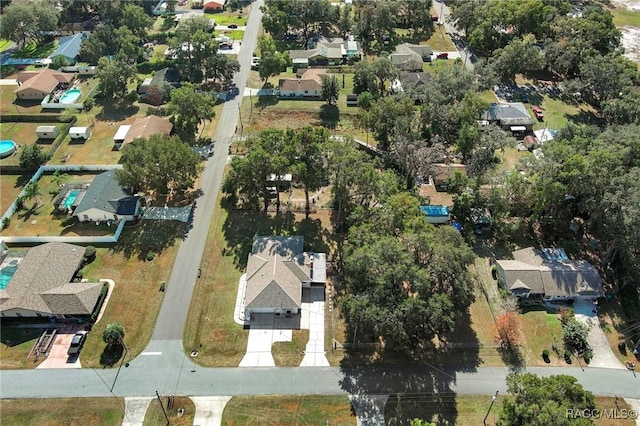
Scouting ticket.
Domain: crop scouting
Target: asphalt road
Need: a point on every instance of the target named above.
(456, 36)
(139, 380)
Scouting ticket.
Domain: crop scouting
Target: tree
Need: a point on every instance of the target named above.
(607, 77)
(308, 160)
(136, 20)
(407, 279)
(574, 336)
(24, 21)
(272, 62)
(418, 15)
(420, 422)
(221, 69)
(384, 70)
(32, 192)
(345, 23)
(113, 334)
(192, 47)
(508, 331)
(114, 78)
(364, 80)
(190, 108)
(518, 56)
(171, 7)
(99, 43)
(159, 165)
(544, 400)
(384, 114)
(33, 157)
(330, 89)
(59, 62)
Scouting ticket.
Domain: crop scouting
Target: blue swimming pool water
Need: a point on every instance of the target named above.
(7, 147)
(5, 275)
(70, 96)
(71, 197)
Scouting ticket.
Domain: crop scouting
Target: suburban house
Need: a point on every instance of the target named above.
(213, 6)
(42, 285)
(308, 85)
(324, 51)
(142, 128)
(548, 275)
(37, 85)
(410, 57)
(437, 215)
(442, 172)
(277, 271)
(163, 81)
(106, 201)
(512, 116)
(69, 47)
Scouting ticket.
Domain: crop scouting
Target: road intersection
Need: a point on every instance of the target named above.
(165, 368)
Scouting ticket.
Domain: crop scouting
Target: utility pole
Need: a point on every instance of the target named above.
(162, 406)
(493, 400)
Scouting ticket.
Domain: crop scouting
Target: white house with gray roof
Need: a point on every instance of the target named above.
(42, 285)
(548, 274)
(105, 200)
(277, 271)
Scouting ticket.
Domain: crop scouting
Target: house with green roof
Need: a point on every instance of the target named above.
(43, 286)
(105, 201)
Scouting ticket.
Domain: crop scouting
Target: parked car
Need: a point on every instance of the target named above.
(77, 342)
(232, 26)
(538, 113)
(443, 55)
(255, 63)
(525, 97)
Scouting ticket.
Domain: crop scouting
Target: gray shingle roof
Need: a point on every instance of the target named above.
(513, 113)
(274, 277)
(42, 283)
(105, 193)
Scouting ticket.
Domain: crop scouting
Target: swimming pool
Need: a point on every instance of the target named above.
(6, 148)
(5, 275)
(71, 197)
(70, 96)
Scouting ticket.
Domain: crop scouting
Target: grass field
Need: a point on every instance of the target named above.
(4, 44)
(540, 329)
(155, 416)
(440, 41)
(233, 34)
(63, 411)
(10, 187)
(226, 18)
(623, 17)
(290, 354)
(136, 295)
(288, 410)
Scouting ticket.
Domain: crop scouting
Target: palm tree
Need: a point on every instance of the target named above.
(32, 191)
(113, 335)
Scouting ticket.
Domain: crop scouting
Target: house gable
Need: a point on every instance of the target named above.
(274, 296)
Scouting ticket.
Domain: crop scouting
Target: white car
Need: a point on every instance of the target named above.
(255, 63)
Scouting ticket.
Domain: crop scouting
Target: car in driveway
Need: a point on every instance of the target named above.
(232, 26)
(443, 55)
(77, 342)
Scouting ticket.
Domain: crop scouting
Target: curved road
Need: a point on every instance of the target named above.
(163, 367)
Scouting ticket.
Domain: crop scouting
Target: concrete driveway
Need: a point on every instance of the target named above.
(265, 330)
(603, 356)
(209, 409)
(58, 357)
(312, 318)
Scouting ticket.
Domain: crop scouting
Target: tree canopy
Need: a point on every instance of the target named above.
(407, 280)
(158, 165)
(544, 400)
(114, 76)
(190, 107)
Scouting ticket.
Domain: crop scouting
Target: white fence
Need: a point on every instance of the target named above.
(46, 104)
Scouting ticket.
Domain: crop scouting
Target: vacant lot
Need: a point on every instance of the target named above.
(288, 410)
(63, 411)
(136, 294)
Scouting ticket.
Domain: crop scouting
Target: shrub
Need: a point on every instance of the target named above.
(89, 103)
(90, 253)
(5, 222)
(508, 331)
(566, 314)
(68, 221)
(19, 203)
(545, 353)
(587, 356)
(150, 256)
(574, 336)
(33, 157)
(567, 356)
(113, 334)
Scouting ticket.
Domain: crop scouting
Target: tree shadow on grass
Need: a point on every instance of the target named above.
(586, 117)
(265, 101)
(116, 111)
(513, 357)
(241, 226)
(111, 355)
(149, 236)
(419, 383)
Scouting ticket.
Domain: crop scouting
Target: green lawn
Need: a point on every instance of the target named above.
(540, 329)
(288, 410)
(63, 411)
(33, 50)
(233, 34)
(623, 17)
(290, 354)
(226, 18)
(440, 41)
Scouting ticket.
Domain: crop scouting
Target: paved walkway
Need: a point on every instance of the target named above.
(312, 318)
(135, 410)
(369, 409)
(603, 356)
(209, 410)
(8, 82)
(238, 311)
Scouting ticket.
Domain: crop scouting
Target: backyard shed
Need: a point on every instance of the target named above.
(79, 133)
(47, 132)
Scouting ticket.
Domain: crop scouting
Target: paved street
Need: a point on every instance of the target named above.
(141, 380)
